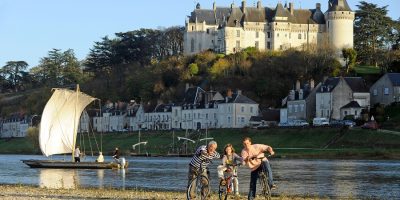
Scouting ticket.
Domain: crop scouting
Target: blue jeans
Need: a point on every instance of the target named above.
(254, 177)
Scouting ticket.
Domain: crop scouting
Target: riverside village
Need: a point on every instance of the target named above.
(241, 100)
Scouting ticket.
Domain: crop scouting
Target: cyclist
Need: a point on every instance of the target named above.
(201, 158)
(229, 160)
(251, 151)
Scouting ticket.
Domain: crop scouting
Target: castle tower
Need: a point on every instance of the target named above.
(339, 24)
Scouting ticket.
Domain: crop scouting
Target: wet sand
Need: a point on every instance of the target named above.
(19, 192)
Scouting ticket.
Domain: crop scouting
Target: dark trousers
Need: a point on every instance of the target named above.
(77, 159)
(254, 177)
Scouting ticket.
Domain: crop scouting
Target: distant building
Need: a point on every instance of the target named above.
(337, 92)
(386, 90)
(15, 125)
(229, 29)
(300, 103)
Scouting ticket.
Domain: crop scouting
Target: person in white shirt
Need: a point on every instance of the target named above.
(77, 154)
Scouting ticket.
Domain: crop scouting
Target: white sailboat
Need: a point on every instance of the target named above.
(58, 130)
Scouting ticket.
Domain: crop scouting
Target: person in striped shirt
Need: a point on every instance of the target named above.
(200, 160)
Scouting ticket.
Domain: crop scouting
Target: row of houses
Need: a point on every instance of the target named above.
(199, 109)
(338, 97)
(334, 98)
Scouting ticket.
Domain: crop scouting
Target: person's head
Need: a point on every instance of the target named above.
(212, 146)
(116, 148)
(77, 147)
(228, 149)
(246, 142)
(100, 153)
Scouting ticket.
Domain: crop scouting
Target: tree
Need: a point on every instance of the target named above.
(13, 72)
(194, 69)
(372, 30)
(350, 56)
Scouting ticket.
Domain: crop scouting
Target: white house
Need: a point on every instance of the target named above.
(14, 126)
(335, 93)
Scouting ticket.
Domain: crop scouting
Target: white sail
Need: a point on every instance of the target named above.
(60, 119)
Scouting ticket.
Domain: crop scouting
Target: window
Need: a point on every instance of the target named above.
(238, 33)
(215, 115)
(206, 115)
(238, 45)
(208, 31)
(242, 109)
(322, 113)
(299, 36)
(251, 109)
(269, 34)
(257, 34)
(355, 112)
(386, 91)
(198, 115)
(268, 45)
(277, 35)
(256, 45)
(192, 28)
(192, 45)
(290, 109)
(296, 107)
(345, 113)
(375, 92)
(301, 107)
(242, 119)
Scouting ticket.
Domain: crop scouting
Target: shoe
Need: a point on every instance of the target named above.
(273, 187)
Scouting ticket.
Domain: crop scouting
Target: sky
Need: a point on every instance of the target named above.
(30, 29)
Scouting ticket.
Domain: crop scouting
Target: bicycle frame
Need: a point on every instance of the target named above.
(230, 177)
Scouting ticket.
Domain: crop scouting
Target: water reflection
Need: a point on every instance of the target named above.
(337, 179)
(58, 178)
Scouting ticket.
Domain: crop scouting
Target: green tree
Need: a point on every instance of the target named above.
(372, 31)
(350, 56)
(193, 69)
(13, 71)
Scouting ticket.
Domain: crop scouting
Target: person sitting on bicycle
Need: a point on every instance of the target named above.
(249, 153)
(202, 158)
(229, 161)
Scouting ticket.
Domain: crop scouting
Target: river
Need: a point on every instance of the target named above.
(377, 179)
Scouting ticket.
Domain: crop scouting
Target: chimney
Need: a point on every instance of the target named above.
(229, 93)
(301, 94)
(186, 87)
(291, 8)
(258, 4)
(291, 95)
(312, 84)
(297, 85)
(341, 3)
(232, 6)
(198, 6)
(318, 6)
(239, 92)
(244, 6)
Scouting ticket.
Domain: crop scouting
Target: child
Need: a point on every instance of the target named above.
(230, 160)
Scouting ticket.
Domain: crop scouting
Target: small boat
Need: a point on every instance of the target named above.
(64, 164)
(58, 130)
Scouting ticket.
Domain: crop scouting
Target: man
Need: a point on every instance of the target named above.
(116, 153)
(77, 154)
(201, 158)
(249, 153)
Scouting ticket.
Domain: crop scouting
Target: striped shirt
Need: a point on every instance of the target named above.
(201, 157)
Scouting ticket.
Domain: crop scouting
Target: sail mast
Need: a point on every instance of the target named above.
(74, 140)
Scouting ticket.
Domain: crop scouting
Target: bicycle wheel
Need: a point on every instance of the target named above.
(197, 185)
(222, 192)
(266, 190)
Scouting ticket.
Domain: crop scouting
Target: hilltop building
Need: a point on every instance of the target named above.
(229, 29)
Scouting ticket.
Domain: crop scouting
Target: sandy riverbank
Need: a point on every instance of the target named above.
(19, 192)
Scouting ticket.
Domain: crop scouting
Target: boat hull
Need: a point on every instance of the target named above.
(69, 165)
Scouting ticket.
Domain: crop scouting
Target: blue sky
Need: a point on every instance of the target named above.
(29, 29)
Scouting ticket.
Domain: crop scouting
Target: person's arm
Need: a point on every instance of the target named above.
(224, 158)
(245, 157)
(270, 150)
(237, 159)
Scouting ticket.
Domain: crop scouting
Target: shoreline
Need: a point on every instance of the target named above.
(30, 192)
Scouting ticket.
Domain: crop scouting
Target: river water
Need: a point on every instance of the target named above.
(376, 179)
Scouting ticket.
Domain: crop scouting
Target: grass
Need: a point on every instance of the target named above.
(313, 142)
(367, 70)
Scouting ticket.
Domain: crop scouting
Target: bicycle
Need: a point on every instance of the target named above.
(198, 182)
(231, 179)
(263, 178)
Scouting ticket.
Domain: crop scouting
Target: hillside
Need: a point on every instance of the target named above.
(302, 143)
